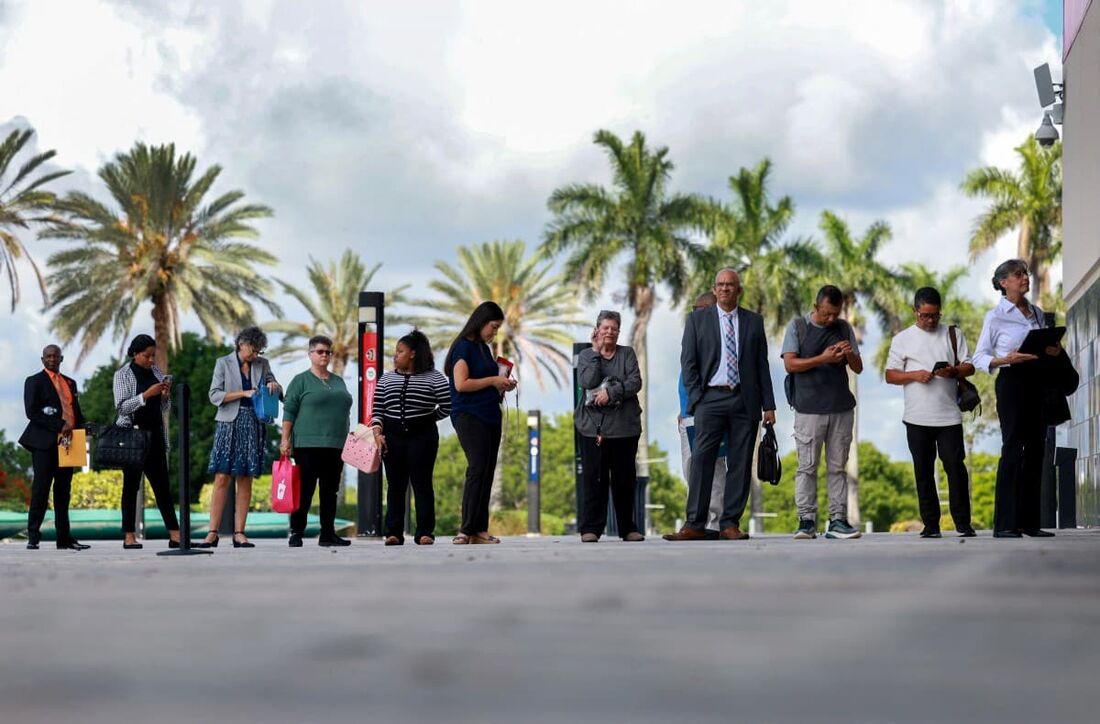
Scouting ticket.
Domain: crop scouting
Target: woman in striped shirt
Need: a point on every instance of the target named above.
(408, 402)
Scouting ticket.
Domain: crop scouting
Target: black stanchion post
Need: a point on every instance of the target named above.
(372, 312)
(183, 449)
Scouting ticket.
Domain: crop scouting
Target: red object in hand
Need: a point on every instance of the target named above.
(286, 484)
(504, 367)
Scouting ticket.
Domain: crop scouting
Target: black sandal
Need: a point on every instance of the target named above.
(238, 544)
(209, 543)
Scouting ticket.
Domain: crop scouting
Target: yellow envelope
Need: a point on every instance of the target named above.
(76, 455)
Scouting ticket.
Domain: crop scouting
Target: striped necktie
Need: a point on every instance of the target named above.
(730, 343)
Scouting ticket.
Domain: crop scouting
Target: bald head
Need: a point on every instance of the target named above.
(727, 289)
(51, 357)
(706, 299)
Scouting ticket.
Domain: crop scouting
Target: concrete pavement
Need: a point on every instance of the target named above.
(882, 629)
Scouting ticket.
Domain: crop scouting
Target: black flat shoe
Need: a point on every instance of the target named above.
(967, 533)
(335, 541)
(208, 544)
(32, 545)
(176, 544)
(132, 546)
(1038, 533)
(239, 544)
(1007, 534)
(931, 533)
(73, 545)
(295, 540)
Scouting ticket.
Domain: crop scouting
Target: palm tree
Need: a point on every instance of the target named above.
(540, 308)
(1030, 201)
(639, 219)
(22, 199)
(867, 285)
(777, 275)
(160, 244)
(334, 310)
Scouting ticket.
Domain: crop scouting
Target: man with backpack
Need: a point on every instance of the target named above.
(817, 351)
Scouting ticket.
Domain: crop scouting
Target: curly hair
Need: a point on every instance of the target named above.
(254, 337)
(418, 344)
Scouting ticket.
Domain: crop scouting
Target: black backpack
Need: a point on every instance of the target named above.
(788, 381)
(768, 465)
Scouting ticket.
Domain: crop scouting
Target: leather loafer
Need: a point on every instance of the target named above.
(73, 545)
(733, 533)
(967, 533)
(634, 537)
(686, 534)
(1038, 533)
(1007, 534)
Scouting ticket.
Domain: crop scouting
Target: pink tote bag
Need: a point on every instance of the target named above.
(361, 452)
(286, 484)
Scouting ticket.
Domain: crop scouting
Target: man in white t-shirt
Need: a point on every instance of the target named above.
(922, 360)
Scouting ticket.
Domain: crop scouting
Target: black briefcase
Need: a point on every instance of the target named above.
(119, 447)
(768, 465)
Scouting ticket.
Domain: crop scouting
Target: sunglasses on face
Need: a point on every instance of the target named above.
(322, 351)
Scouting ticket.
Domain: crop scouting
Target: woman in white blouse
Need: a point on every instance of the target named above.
(1020, 388)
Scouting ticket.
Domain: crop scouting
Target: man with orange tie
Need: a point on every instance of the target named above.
(53, 412)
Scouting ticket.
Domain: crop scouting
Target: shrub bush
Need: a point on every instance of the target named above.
(101, 490)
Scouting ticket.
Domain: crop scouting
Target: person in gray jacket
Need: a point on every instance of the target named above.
(609, 420)
(239, 435)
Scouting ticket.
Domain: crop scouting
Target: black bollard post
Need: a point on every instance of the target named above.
(183, 447)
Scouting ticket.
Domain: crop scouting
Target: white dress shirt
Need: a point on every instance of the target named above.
(1003, 331)
(720, 377)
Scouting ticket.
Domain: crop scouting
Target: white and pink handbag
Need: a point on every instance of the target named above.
(360, 450)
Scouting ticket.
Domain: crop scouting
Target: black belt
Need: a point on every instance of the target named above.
(731, 389)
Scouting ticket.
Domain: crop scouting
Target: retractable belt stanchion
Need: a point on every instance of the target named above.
(183, 409)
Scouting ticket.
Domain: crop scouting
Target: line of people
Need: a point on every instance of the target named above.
(725, 393)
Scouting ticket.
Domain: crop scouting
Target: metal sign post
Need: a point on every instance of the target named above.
(578, 465)
(183, 449)
(371, 328)
(534, 470)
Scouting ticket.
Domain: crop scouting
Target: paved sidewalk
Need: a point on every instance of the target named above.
(882, 629)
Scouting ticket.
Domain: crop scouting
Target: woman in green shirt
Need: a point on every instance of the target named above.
(315, 427)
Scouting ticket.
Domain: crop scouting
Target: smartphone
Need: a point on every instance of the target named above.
(167, 379)
(939, 366)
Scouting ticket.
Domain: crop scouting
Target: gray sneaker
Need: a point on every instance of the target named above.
(839, 528)
(807, 529)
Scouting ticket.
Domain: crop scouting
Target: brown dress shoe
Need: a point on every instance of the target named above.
(733, 533)
(686, 534)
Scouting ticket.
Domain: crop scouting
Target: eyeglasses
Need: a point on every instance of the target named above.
(1020, 273)
(321, 351)
(929, 317)
(725, 285)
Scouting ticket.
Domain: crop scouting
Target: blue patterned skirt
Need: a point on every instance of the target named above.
(239, 445)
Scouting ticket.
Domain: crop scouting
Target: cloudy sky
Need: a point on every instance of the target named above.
(403, 130)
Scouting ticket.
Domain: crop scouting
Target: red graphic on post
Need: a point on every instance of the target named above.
(369, 373)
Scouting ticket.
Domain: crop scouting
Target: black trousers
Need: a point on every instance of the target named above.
(611, 464)
(480, 441)
(47, 474)
(318, 467)
(718, 414)
(410, 458)
(1019, 408)
(156, 471)
(924, 441)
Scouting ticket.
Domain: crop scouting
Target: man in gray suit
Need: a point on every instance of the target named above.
(724, 361)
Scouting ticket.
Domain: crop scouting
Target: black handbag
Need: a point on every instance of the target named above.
(768, 465)
(120, 447)
(966, 396)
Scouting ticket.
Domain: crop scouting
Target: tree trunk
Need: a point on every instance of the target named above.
(852, 469)
(161, 331)
(644, 300)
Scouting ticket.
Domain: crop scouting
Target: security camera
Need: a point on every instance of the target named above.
(1047, 134)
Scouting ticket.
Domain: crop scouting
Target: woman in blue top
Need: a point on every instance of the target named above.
(476, 391)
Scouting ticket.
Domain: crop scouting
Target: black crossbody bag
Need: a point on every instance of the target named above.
(966, 396)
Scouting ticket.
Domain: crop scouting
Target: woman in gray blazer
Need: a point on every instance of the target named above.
(239, 436)
(609, 420)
